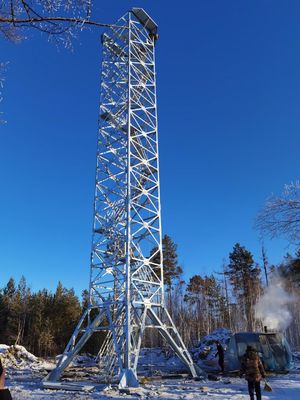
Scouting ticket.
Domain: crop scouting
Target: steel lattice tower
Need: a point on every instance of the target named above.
(126, 275)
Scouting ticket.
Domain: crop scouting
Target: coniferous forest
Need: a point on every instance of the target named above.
(43, 321)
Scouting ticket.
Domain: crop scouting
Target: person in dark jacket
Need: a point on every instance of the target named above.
(4, 393)
(220, 354)
(254, 371)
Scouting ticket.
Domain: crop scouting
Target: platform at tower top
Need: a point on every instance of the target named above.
(145, 20)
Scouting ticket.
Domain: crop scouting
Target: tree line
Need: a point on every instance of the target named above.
(43, 321)
(228, 299)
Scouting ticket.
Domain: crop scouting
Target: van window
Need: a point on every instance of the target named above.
(241, 347)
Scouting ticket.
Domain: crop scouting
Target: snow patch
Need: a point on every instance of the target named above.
(25, 383)
(18, 357)
(156, 361)
(207, 348)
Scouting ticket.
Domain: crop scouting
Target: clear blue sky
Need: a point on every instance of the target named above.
(228, 95)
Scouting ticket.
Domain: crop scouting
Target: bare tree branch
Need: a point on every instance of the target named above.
(53, 17)
(56, 18)
(281, 215)
(76, 21)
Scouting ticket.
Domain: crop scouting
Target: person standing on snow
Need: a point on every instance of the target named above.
(220, 354)
(254, 371)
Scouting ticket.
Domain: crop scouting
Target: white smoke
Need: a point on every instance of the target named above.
(272, 307)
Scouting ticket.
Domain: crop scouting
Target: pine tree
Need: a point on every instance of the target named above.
(244, 276)
(289, 272)
(171, 268)
(65, 313)
(7, 333)
(40, 338)
(204, 296)
(19, 311)
(194, 298)
(294, 267)
(172, 271)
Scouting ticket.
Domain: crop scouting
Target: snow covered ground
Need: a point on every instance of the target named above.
(25, 373)
(24, 385)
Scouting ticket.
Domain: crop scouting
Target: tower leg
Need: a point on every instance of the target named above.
(73, 349)
(128, 379)
(169, 332)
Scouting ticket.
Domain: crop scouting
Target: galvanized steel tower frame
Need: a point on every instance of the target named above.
(126, 293)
